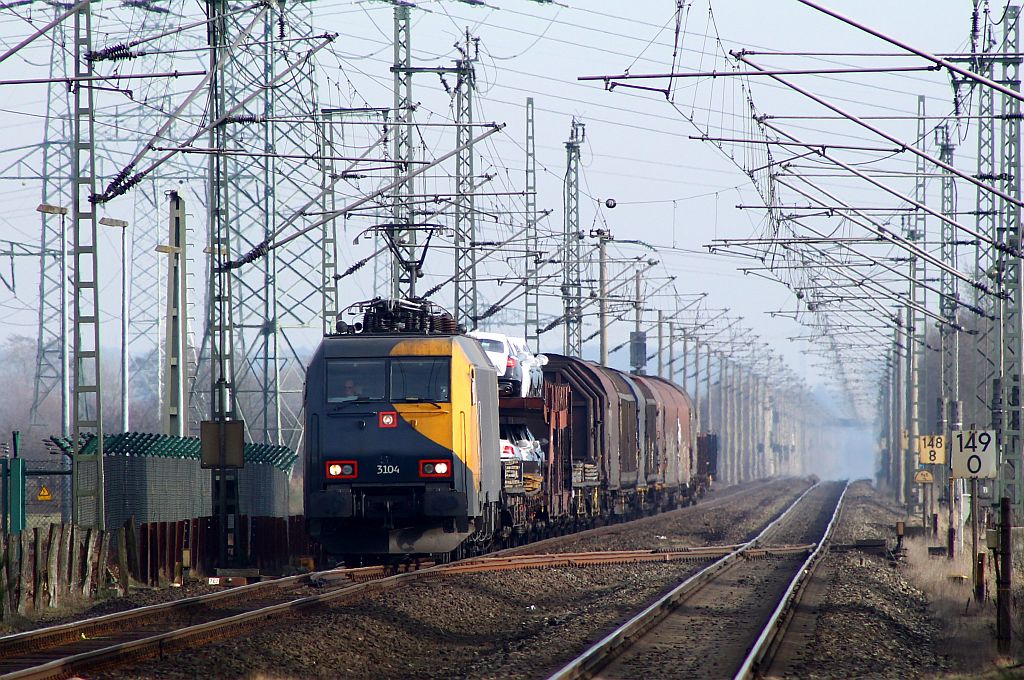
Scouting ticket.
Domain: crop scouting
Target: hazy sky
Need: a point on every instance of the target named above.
(675, 193)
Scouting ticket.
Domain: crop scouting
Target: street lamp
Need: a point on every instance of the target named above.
(65, 369)
(123, 226)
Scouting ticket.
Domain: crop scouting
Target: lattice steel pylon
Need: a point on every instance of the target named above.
(220, 310)
(572, 245)
(532, 295)
(985, 341)
(174, 414)
(466, 302)
(87, 396)
(219, 304)
(271, 161)
(329, 233)
(1010, 469)
(145, 298)
(949, 411)
(147, 267)
(916, 335)
(402, 231)
(52, 350)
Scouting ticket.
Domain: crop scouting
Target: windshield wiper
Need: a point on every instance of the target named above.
(417, 400)
(345, 401)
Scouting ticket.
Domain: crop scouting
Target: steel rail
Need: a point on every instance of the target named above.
(775, 629)
(93, 627)
(66, 633)
(598, 655)
(163, 643)
(547, 560)
(719, 499)
(365, 581)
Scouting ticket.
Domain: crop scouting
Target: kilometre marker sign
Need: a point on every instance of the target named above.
(974, 453)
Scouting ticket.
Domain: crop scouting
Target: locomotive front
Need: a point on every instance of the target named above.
(401, 430)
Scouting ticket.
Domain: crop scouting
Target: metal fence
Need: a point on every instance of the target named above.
(47, 491)
(157, 478)
(154, 489)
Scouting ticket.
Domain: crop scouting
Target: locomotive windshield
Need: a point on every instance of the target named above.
(355, 380)
(420, 379)
(412, 379)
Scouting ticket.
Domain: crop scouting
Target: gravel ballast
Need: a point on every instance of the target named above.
(871, 621)
(742, 517)
(501, 624)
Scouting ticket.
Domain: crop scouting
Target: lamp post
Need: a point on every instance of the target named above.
(65, 372)
(123, 226)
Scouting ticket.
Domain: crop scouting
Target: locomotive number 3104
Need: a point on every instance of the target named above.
(387, 469)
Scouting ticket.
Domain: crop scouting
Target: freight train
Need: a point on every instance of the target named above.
(402, 442)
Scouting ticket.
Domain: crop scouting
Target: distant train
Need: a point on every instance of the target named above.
(402, 442)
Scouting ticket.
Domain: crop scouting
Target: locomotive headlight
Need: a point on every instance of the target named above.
(341, 469)
(435, 468)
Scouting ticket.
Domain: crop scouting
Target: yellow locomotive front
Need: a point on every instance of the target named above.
(401, 431)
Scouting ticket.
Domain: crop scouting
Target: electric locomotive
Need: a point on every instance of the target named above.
(401, 434)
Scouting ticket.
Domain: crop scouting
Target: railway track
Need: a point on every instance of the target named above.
(720, 499)
(125, 638)
(129, 637)
(62, 650)
(725, 620)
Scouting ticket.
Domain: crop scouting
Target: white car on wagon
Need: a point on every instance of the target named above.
(519, 369)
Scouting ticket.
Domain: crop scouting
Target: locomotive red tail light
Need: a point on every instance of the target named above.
(435, 468)
(508, 451)
(511, 363)
(342, 469)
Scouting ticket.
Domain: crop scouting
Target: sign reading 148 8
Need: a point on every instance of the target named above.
(974, 453)
(931, 448)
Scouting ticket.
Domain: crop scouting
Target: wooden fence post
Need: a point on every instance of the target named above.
(153, 532)
(86, 583)
(5, 594)
(92, 550)
(169, 555)
(63, 559)
(13, 570)
(131, 539)
(25, 580)
(75, 563)
(121, 539)
(179, 547)
(102, 561)
(53, 552)
(39, 567)
(195, 551)
(143, 557)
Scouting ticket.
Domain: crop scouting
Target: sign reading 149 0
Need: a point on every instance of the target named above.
(974, 453)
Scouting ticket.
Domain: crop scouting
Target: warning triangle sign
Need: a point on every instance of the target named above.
(44, 494)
